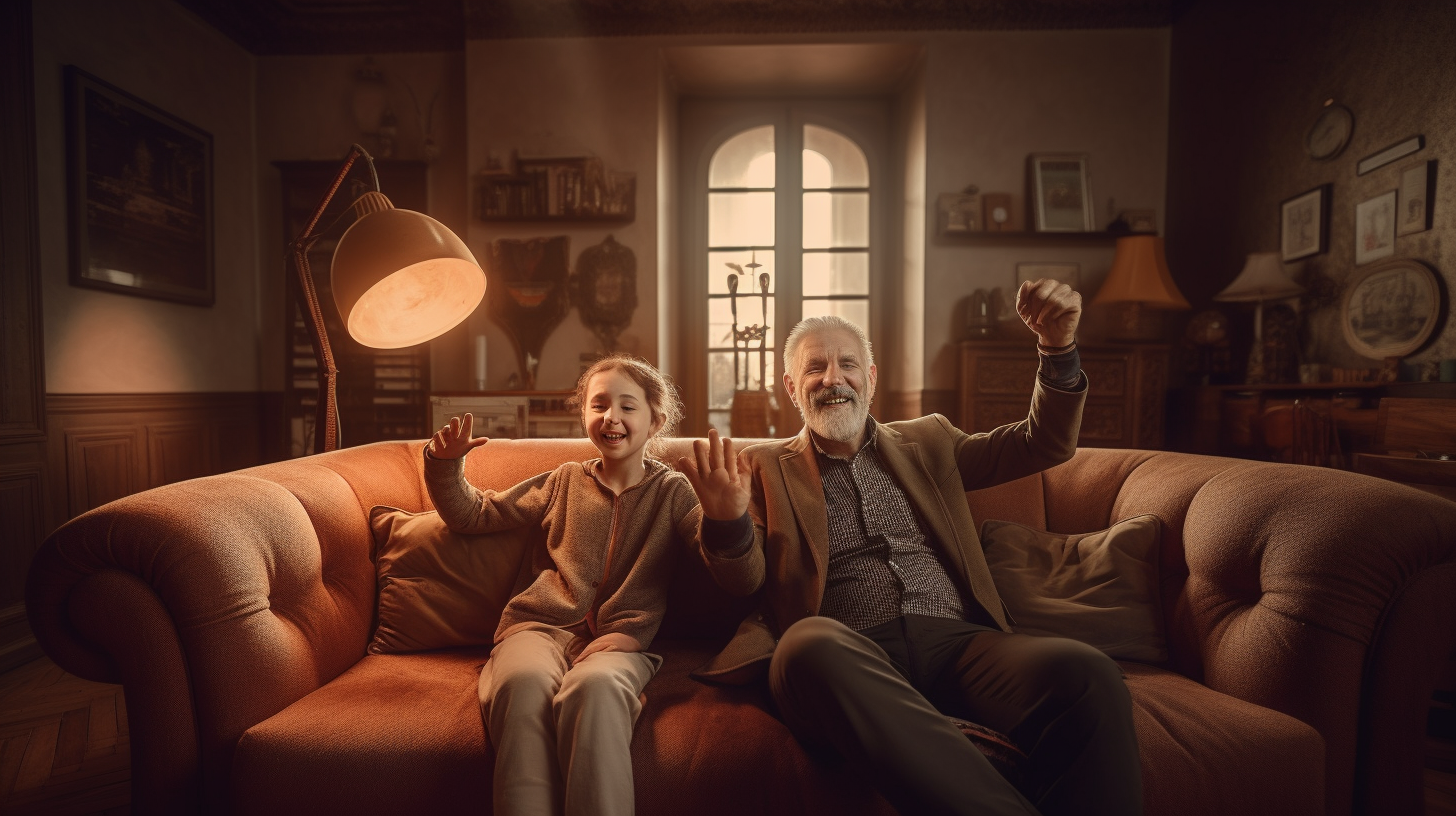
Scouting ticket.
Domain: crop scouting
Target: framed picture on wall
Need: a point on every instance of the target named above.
(1375, 228)
(1060, 194)
(140, 195)
(1390, 310)
(1416, 184)
(1304, 224)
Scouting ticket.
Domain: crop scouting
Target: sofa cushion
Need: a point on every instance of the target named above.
(439, 589)
(1100, 588)
(1210, 754)
(403, 734)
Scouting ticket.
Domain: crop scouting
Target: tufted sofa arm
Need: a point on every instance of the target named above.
(1325, 595)
(216, 603)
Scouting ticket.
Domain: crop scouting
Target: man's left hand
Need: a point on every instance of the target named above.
(1051, 309)
(611, 642)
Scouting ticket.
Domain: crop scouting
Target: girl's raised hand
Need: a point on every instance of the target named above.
(721, 480)
(453, 441)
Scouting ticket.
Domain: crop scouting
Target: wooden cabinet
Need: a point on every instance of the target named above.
(510, 414)
(1127, 390)
(382, 393)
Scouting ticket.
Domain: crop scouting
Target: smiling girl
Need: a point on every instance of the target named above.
(560, 692)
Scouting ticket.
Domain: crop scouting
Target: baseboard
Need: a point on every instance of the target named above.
(17, 643)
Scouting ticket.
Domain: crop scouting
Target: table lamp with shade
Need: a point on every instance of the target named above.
(1262, 279)
(1139, 281)
(399, 278)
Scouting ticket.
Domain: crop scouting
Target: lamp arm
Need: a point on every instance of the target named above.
(326, 422)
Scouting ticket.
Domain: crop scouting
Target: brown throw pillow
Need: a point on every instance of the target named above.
(1100, 588)
(439, 589)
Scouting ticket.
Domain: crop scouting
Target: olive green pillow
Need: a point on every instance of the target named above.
(437, 588)
(1100, 588)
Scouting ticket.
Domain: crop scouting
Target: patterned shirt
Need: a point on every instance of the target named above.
(880, 566)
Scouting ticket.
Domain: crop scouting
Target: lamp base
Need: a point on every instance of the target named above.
(1131, 322)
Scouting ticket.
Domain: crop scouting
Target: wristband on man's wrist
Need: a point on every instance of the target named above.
(1056, 349)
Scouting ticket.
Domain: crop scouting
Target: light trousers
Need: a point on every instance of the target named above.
(562, 734)
(878, 698)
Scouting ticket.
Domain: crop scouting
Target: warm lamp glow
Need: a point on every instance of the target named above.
(401, 277)
(1140, 275)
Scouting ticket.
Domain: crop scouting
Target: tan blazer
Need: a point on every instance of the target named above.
(934, 462)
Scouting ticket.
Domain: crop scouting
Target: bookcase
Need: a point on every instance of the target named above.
(382, 393)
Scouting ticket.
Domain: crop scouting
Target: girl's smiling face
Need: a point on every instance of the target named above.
(617, 416)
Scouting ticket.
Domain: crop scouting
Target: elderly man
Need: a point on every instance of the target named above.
(879, 615)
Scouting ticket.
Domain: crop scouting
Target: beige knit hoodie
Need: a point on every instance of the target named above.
(606, 558)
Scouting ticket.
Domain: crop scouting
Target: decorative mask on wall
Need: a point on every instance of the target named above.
(604, 289)
(528, 294)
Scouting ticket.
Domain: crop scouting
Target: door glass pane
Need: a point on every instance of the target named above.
(740, 219)
(748, 282)
(845, 160)
(746, 160)
(836, 273)
(836, 220)
(855, 311)
(720, 379)
(750, 314)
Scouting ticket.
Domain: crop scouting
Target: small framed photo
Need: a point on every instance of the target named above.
(1061, 198)
(140, 195)
(1068, 273)
(959, 212)
(1416, 184)
(1375, 228)
(1304, 224)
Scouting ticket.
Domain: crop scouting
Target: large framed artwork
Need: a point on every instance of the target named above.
(140, 190)
(1391, 309)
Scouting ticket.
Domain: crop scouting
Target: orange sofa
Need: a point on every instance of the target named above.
(1307, 611)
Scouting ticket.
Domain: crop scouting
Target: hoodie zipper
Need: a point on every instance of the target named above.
(596, 606)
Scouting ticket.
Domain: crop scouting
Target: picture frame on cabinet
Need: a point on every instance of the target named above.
(1375, 228)
(1060, 192)
(958, 212)
(140, 195)
(1304, 224)
(1416, 184)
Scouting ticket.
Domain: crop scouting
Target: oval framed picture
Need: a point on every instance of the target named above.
(1391, 309)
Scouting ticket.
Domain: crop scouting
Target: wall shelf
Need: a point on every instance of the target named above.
(1026, 237)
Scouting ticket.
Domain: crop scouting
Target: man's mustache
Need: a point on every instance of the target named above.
(834, 392)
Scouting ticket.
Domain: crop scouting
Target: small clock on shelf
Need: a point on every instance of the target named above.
(1330, 132)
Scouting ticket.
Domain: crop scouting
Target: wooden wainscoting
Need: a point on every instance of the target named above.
(105, 446)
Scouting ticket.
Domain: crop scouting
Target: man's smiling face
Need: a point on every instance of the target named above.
(832, 386)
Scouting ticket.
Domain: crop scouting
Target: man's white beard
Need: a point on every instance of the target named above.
(835, 423)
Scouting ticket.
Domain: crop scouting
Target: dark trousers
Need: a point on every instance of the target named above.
(879, 698)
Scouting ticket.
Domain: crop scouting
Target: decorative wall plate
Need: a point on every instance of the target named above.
(1391, 309)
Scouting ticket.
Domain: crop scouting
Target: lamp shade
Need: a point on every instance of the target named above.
(1140, 275)
(1262, 278)
(401, 277)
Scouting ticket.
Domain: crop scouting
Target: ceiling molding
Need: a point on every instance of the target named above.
(382, 26)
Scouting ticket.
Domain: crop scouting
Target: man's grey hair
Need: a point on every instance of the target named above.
(812, 325)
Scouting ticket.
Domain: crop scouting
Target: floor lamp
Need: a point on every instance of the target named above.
(399, 278)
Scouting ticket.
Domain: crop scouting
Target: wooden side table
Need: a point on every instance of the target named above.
(1128, 390)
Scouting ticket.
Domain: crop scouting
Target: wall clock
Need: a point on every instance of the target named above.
(1330, 132)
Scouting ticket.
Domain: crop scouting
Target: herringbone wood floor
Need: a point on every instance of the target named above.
(64, 748)
(63, 744)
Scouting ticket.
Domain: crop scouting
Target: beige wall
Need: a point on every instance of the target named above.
(981, 103)
(102, 342)
(570, 98)
(305, 113)
(992, 99)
